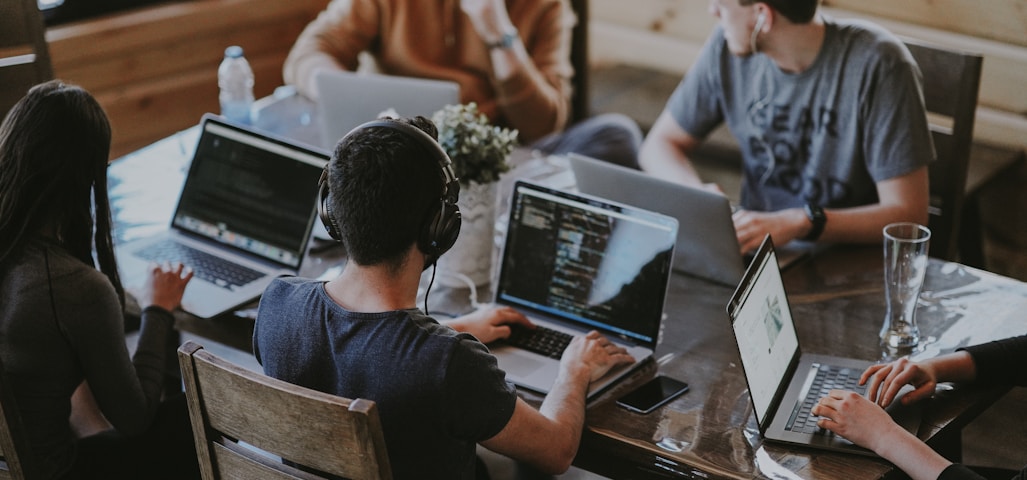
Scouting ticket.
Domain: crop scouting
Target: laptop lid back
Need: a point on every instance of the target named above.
(587, 262)
(348, 99)
(707, 246)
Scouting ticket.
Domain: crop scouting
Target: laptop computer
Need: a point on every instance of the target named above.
(573, 264)
(348, 99)
(706, 246)
(783, 381)
(244, 217)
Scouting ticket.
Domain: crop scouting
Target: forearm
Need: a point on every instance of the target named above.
(564, 406)
(665, 160)
(952, 367)
(865, 224)
(911, 455)
(536, 103)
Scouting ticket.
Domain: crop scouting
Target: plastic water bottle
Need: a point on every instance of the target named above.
(235, 79)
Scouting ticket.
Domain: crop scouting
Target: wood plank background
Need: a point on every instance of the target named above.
(154, 70)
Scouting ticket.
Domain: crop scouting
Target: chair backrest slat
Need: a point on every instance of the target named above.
(24, 56)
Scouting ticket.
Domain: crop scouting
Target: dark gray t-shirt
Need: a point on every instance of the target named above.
(823, 136)
(438, 392)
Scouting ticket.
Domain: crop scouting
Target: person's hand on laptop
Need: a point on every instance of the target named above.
(885, 381)
(165, 286)
(866, 424)
(858, 419)
(490, 323)
(783, 226)
(594, 355)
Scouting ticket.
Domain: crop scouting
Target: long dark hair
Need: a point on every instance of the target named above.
(54, 149)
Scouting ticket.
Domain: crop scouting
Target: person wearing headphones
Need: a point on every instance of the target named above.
(389, 193)
(510, 57)
(62, 324)
(863, 420)
(829, 116)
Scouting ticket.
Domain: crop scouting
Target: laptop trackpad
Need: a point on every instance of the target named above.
(520, 365)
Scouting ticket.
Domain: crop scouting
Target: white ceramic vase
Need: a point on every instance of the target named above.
(471, 255)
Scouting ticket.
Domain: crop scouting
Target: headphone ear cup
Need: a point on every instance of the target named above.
(324, 207)
(440, 232)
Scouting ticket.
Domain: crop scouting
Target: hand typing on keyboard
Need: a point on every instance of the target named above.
(165, 286)
(490, 323)
(591, 356)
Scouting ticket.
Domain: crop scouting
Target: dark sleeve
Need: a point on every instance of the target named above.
(481, 400)
(127, 390)
(1001, 362)
(959, 472)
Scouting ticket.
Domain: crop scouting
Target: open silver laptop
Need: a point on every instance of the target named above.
(244, 217)
(576, 263)
(783, 381)
(348, 99)
(707, 245)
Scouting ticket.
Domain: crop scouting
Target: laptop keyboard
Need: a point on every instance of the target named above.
(827, 378)
(211, 268)
(541, 340)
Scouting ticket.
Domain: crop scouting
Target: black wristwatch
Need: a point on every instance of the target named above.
(816, 216)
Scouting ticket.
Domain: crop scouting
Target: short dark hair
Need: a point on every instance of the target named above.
(54, 150)
(797, 11)
(385, 186)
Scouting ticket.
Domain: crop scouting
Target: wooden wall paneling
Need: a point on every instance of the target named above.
(155, 69)
(1001, 20)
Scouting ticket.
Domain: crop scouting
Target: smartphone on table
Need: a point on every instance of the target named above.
(653, 394)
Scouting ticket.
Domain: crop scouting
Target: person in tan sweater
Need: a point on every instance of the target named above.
(511, 57)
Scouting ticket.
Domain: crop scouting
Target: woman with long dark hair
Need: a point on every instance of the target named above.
(62, 309)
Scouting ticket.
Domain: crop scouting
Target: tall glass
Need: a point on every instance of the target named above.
(905, 264)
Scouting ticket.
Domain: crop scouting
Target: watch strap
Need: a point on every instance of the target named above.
(818, 218)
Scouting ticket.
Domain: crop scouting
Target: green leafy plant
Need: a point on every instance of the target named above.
(478, 149)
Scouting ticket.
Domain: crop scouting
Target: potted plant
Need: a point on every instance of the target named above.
(479, 152)
(478, 149)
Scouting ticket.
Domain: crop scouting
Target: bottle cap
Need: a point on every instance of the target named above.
(234, 51)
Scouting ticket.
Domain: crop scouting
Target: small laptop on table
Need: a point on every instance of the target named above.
(243, 218)
(349, 99)
(573, 264)
(785, 383)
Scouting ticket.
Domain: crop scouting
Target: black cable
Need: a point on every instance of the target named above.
(430, 282)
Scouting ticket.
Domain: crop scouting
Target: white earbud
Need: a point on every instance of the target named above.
(760, 20)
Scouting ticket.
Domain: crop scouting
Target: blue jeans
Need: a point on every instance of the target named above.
(612, 137)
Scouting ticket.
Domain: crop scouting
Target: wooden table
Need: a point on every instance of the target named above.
(836, 297)
(837, 301)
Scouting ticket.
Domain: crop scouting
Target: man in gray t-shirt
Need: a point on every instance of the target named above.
(829, 116)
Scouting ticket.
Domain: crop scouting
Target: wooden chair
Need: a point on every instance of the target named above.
(15, 459)
(245, 424)
(580, 101)
(951, 83)
(24, 57)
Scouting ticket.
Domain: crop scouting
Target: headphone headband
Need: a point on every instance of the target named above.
(441, 229)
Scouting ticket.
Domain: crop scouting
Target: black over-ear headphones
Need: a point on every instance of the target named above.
(441, 228)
